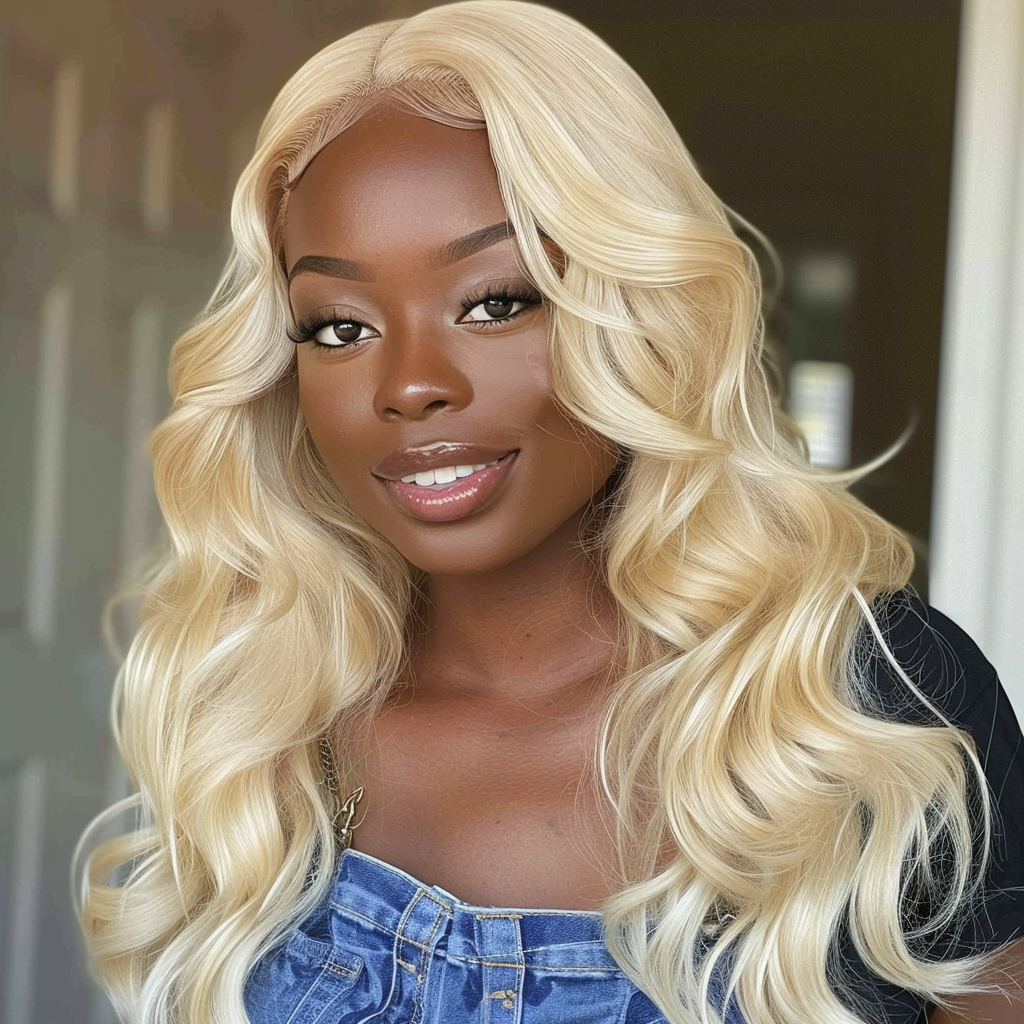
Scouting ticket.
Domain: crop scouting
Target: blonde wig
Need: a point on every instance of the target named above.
(759, 808)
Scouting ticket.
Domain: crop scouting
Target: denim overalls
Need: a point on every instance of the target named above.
(388, 949)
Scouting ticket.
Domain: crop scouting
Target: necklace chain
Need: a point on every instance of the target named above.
(342, 812)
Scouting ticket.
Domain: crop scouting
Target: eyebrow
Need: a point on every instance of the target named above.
(449, 253)
(330, 266)
(474, 242)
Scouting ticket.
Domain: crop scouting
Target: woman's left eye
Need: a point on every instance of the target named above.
(496, 308)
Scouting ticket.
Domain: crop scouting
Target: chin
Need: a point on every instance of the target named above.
(458, 560)
(481, 548)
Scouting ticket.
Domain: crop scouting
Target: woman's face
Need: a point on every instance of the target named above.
(423, 364)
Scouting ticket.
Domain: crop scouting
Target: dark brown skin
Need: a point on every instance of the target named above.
(477, 774)
(998, 1008)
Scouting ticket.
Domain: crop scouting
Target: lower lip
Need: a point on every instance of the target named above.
(456, 500)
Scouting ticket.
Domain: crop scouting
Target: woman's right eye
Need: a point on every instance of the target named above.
(342, 333)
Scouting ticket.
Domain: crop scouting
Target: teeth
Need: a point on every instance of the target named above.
(444, 474)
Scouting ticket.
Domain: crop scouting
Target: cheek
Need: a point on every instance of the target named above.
(573, 462)
(330, 410)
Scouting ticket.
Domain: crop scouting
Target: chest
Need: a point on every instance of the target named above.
(499, 807)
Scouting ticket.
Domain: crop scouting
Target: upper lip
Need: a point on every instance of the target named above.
(411, 459)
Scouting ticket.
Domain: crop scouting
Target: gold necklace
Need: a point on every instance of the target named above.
(343, 812)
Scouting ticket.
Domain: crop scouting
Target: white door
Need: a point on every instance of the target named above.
(123, 124)
(112, 196)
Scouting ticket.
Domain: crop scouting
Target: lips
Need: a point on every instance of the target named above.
(410, 460)
(446, 481)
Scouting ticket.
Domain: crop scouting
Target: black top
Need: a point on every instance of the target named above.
(950, 670)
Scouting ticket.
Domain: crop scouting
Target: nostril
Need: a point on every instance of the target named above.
(411, 392)
(428, 409)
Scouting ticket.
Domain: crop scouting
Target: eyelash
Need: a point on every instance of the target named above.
(530, 298)
(307, 329)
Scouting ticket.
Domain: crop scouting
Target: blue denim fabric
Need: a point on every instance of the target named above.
(387, 949)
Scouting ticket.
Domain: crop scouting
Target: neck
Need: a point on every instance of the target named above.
(542, 625)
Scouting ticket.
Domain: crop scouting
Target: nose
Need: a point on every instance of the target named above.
(420, 377)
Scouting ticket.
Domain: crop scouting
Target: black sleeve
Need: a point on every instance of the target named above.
(955, 676)
(947, 667)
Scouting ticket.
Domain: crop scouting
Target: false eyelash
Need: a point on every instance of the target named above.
(305, 330)
(507, 293)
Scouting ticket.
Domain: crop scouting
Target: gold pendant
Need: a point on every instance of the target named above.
(344, 812)
(343, 827)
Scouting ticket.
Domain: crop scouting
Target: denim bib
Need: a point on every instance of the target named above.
(388, 949)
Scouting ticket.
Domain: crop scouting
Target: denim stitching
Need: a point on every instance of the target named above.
(576, 968)
(426, 950)
(335, 968)
(294, 1015)
(475, 960)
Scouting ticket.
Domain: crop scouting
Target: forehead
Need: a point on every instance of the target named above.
(392, 175)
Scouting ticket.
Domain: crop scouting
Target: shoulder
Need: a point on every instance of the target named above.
(936, 658)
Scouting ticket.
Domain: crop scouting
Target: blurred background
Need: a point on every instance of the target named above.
(878, 143)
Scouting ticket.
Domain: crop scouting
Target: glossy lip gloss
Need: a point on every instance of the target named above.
(446, 503)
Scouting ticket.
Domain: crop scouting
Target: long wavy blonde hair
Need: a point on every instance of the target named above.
(735, 740)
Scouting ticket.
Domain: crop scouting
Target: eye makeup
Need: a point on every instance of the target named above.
(499, 304)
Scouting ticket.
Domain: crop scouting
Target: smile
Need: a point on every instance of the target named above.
(447, 494)
(444, 475)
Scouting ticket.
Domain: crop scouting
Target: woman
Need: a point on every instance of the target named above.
(491, 557)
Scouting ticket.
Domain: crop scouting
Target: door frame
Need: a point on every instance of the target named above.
(977, 557)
